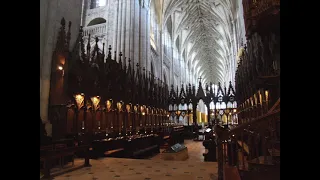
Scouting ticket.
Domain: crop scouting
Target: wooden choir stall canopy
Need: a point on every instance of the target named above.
(220, 104)
(102, 100)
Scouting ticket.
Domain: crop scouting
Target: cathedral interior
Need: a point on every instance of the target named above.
(160, 89)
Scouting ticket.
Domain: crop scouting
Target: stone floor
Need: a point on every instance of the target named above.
(195, 151)
(148, 169)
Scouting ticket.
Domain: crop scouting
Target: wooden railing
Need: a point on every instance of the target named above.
(252, 148)
(48, 155)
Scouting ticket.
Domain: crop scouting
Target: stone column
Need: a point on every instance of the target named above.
(136, 33)
(123, 26)
(185, 72)
(84, 7)
(143, 33)
(131, 37)
(148, 46)
(119, 27)
(49, 42)
(128, 29)
(112, 25)
(161, 54)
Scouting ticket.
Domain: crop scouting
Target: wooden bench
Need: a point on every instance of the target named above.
(63, 155)
(145, 150)
(114, 152)
(52, 154)
(210, 154)
(231, 173)
(44, 149)
(165, 142)
(166, 138)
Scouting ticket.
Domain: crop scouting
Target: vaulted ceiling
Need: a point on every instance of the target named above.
(205, 30)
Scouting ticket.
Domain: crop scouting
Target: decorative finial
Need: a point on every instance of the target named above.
(103, 48)
(63, 22)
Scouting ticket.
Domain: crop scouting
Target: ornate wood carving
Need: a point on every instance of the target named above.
(102, 88)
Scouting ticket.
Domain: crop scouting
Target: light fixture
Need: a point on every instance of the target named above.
(267, 95)
(60, 68)
(79, 98)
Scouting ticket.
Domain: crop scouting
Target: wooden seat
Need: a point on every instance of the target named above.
(44, 149)
(142, 151)
(165, 141)
(231, 173)
(114, 151)
(57, 153)
(166, 137)
(60, 146)
(64, 154)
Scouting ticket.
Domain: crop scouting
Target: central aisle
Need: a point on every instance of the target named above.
(149, 169)
(195, 151)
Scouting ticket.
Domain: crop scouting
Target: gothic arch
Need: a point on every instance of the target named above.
(169, 26)
(202, 25)
(96, 21)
